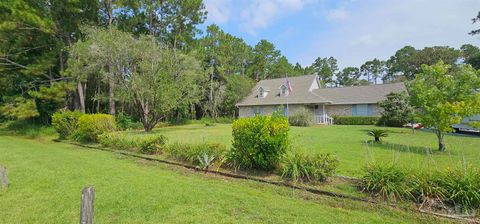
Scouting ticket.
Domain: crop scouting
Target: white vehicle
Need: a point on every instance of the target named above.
(464, 126)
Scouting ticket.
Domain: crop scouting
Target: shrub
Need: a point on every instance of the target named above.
(355, 120)
(259, 142)
(153, 145)
(195, 153)
(123, 141)
(90, 126)
(386, 180)
(125, 122)
(299, 167)
(377, 134)
(426, 185)
(119, 141)
(302, 117)
(462, 187)
(65, 123)
(396, 110)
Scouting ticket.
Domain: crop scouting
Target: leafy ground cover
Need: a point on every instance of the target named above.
(351, 144)
(46, 180)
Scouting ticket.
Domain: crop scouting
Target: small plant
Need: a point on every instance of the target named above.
(194, 153)
(386, 180)
(153, 145)
(377, 134)
(205, 161)
(302, 118)
(299, 167)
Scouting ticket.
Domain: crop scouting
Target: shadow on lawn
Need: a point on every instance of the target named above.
(404, 148)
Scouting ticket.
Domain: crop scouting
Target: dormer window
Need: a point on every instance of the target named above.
(283, 91)
(262, 92)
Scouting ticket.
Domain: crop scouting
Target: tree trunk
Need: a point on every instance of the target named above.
(111, 100)
(81, 96)
(441, 145)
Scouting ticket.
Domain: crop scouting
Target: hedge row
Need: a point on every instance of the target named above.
(355, 120)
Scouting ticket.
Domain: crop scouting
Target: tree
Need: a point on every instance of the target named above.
(471, 55)
(264, 57)
(281, 68)
(402, 63)
(159, 82)
(373, 70)
(396, 110)
(444, 95)
(325, 68)
(408, 61)
(237, 88)
(348, 76)
(475, 20)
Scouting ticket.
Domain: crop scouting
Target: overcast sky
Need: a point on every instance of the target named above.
(352, 31)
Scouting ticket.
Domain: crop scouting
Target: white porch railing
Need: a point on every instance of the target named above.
(323, 119)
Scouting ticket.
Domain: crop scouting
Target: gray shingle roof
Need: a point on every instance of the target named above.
(360, 94)
(301, 95)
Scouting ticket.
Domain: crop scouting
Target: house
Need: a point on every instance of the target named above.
(274, 94)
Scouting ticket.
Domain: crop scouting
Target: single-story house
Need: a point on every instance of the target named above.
(295, 93)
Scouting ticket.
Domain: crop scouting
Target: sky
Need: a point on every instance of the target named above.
(352, 31)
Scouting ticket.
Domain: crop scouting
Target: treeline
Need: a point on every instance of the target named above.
(149, 60)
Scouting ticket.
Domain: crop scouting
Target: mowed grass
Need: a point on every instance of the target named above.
(46, 180)
(350, 144)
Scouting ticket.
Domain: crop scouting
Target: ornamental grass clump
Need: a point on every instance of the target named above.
(200, 154)
(386, 180)
(259, 142)
(307, 168)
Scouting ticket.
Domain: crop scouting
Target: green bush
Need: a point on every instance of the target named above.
(193, 153)
(462, 187)
(386, 180)
(302, 118)
(65, 123)
(90, 126)
(355, 120)
(153, 145)
(305, 168)
(125, 122)
(259, 142)
(119, 141)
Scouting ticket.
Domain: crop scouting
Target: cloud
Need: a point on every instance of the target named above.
(337, 14)
(260, 14)
(377, 28)
(219, 11)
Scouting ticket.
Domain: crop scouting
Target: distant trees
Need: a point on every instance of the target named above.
(325, 68)
(373, 70)
(349, 76)
(443, 95)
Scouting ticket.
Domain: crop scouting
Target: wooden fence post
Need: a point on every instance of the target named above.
(4, 176)
(86, 212)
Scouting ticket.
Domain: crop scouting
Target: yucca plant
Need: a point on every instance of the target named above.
(377, 134)
(205, 161)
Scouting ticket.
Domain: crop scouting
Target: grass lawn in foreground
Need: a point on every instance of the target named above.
(46, 180)
(349, 143)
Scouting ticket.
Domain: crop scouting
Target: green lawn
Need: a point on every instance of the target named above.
(46, 180)
(349, 144)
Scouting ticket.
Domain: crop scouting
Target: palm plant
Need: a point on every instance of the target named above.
(378, 134)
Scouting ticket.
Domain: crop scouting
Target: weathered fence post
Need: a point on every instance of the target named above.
(86, 211)
(4, 175)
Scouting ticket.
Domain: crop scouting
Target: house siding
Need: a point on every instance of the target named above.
(346, 110)
(247, 111)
